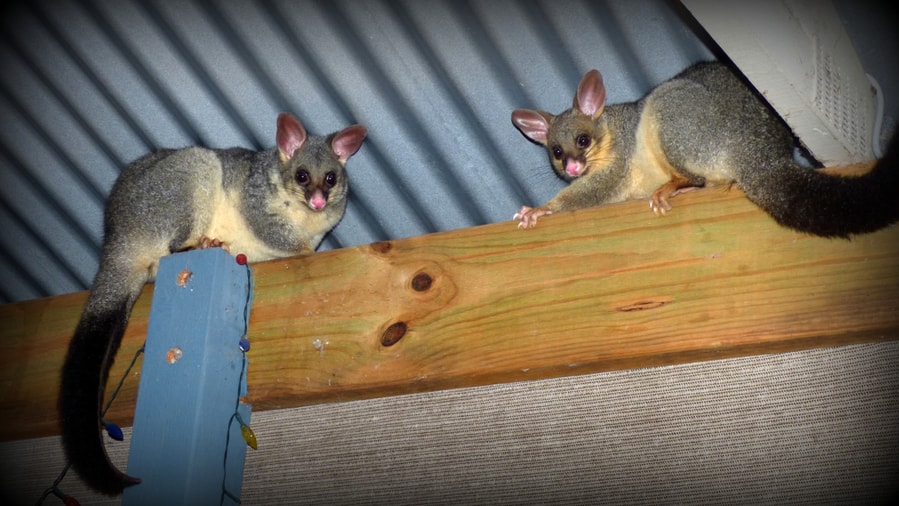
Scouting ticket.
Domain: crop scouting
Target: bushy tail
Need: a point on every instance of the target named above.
(84, 375)
(827, 205)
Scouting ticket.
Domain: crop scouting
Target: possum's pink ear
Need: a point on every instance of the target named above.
(533, 124)
(591, 95)
(291, 135)
(346, 142)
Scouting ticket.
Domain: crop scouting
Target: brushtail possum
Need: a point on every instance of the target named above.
(702, 126)
(265, 204)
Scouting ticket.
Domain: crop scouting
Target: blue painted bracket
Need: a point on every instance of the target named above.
(186, 445)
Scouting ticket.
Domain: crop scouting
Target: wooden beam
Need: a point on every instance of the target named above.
(605, 288)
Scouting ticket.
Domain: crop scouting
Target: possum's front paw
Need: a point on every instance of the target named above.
(659, 202)
(207, 242)
(527, 216)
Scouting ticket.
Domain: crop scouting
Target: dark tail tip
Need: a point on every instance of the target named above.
(827, 205)
(84, 376)
(104, 483)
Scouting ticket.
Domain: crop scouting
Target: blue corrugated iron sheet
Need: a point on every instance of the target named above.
(88, 85)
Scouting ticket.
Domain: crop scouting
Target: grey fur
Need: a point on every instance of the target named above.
(255, 203)
(705, 125)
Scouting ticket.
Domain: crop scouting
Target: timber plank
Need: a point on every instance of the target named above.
(594, 290)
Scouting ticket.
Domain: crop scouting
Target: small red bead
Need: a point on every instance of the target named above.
(241, 259)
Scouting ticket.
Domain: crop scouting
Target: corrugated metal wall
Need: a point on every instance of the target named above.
(88, 85)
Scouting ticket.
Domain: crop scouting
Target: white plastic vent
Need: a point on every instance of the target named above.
(841, 104)
(798, 55)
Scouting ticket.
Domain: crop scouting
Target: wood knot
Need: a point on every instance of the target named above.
(422, 281)
(382, 247)
(393, 334)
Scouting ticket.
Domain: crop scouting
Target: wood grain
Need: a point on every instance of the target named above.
(600, 289)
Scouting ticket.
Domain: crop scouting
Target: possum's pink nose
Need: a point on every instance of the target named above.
(573, 167)
(318, 201)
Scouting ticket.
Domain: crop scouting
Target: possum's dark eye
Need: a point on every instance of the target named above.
(330, 179)
(583, 141)
(302, 177)
(557, 152)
